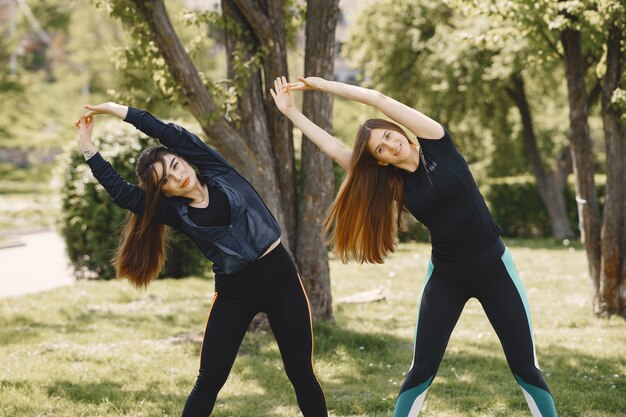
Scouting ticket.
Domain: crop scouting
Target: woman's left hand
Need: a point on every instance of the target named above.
(110, 108)
(282, 96)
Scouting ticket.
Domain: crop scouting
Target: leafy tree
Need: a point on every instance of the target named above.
(470, 68)
(49, 84)
(475, 54)
(587, 38)
(237, 114)
(89, 222)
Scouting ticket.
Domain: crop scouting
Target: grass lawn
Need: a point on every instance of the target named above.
(104, 349)
(27, 200)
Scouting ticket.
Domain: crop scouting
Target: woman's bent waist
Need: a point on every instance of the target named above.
(494, 248)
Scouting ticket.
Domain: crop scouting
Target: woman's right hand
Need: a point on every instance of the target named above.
(110, 108)
(306, 84)
(84, 126)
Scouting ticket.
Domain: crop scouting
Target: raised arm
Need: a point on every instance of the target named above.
(418, 123)
(175, 137)
(322, 139)
(123, 194)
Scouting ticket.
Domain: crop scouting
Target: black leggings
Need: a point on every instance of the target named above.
(270, 285)
(490, 277)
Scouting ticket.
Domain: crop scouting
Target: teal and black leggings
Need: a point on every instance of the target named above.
(491, 278)
(270, 285)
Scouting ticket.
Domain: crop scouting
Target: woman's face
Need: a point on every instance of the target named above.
(388, 146)
(179, 179)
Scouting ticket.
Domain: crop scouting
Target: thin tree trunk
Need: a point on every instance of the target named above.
(612, 273)
(219, 132)
(551, 189)
(582, 156)
(317, 168)
(255, 163)
(253, 126)
(266, 19)
(260, 147)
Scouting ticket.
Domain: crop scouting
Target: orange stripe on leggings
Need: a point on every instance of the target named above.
(206, 324)
(312, 336)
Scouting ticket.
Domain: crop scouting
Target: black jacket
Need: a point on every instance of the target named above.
(253, 228)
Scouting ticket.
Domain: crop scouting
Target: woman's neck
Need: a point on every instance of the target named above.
(198, 195)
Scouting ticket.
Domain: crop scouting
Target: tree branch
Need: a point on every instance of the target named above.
(220, 133)
(257, 20)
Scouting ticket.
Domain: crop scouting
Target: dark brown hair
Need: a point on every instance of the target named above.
(141, 253)
(363, 220)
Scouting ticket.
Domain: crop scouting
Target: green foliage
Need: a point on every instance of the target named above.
(91, 224)
(24, 180)
(516, 206)
(145, 77)
(295, 15)
(455, 60)
(39, 108)
(413, 231)
(104, 349)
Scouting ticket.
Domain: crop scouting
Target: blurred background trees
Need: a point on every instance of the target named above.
(531, 91)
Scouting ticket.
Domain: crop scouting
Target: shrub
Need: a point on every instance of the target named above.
(89, 221)
(516, 205)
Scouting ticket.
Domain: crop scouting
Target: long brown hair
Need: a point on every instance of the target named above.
(141, 253)
(363, 220)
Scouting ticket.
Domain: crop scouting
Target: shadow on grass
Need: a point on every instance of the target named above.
(20, 329)
(114, 393)
(362, 373)
(467, 383)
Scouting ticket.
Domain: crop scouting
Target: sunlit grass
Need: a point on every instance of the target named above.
(104, 349)
(27, 197)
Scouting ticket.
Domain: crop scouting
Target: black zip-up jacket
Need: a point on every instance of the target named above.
(253, 228)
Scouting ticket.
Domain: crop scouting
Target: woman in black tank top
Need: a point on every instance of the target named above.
(387, 172)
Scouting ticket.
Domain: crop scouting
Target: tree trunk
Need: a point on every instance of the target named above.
(253, 127)
(261, 145)
(550, 185)
(317, 168)
(582, 156)
(219, 132)
(612, 281)
(267, 22)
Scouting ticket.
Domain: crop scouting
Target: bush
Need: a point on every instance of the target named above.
(413, 230)
(516, 205)
(91, 224)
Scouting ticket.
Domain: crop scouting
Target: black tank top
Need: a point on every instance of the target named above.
(217, 213)
(443, 195)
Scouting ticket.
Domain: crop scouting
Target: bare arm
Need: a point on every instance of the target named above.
(418, 123)
(328, 144)
(113, 109)
(84, 126)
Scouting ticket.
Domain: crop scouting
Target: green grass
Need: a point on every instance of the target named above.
(27, 199)
(104, 349)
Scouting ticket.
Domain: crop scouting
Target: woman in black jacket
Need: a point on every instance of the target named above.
(223, 214)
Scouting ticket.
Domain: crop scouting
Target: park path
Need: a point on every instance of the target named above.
(39, 263)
